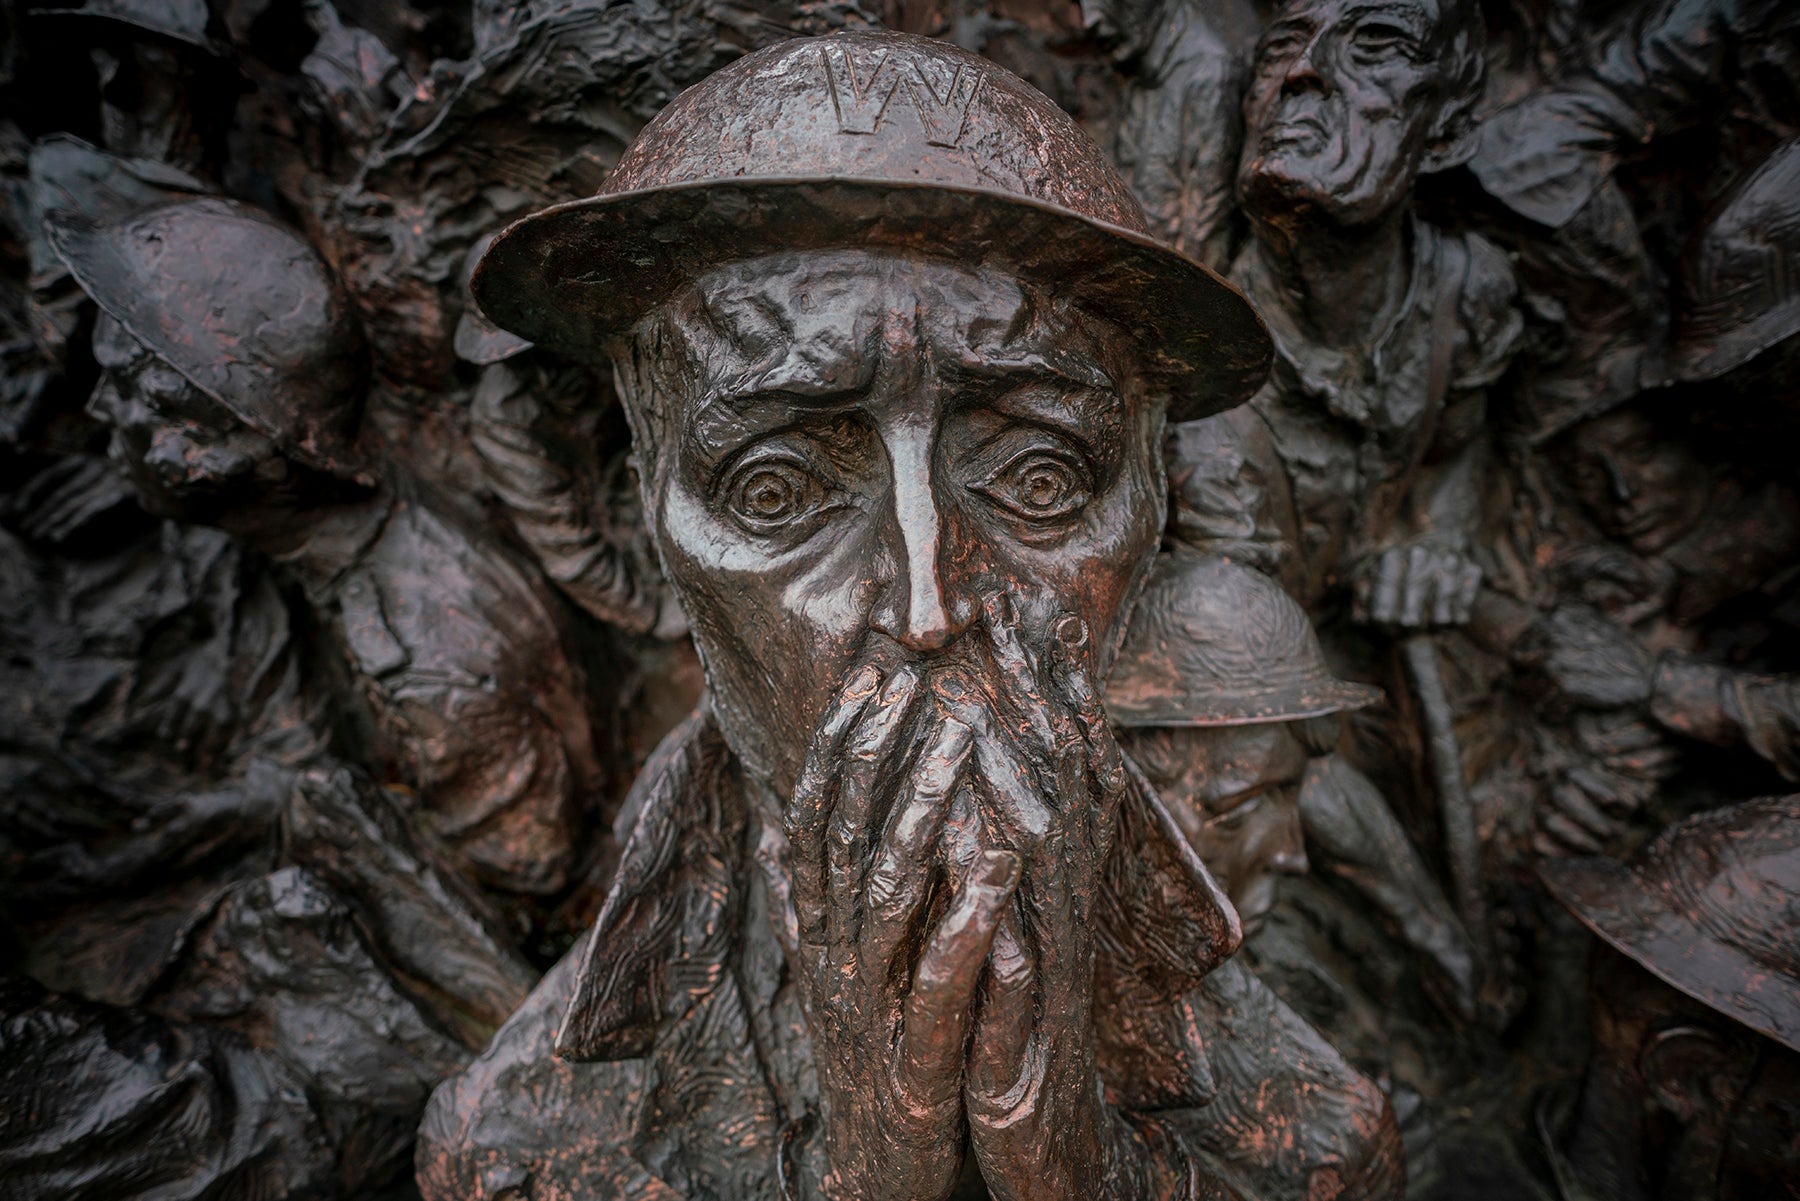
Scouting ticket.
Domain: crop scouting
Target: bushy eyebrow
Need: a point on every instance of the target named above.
(1415, 22)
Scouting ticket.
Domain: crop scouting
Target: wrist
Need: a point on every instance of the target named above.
(1685, 697)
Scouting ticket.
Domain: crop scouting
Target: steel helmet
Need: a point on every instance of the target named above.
(241, 306)
(873, 140)
(1214, 643)
(1711, 907)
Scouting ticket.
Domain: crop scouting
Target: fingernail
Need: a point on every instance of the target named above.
(999, 870)
(904, 680)
(864, 682)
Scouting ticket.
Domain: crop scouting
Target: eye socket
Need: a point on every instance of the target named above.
(1380, 39)
(1240, 813)
(1039, 486)
(1280, 44)
(770, 494)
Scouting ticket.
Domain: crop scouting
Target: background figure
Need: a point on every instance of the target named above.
(1388, 330)
(1696, 1015)
(1670, 576)
(257, 970)
(1709, 81)
(233, 399)
(1228, 707)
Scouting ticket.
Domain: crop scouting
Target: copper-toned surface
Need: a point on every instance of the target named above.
(879, 141)
(805, 600)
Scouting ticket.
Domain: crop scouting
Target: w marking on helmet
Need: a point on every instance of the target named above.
(862, 103)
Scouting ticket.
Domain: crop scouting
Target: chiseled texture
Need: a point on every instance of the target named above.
(693, 1047)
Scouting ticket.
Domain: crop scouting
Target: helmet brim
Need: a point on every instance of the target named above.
(579, 275)
(94, 254)
(1245, 708)
(1642, 924)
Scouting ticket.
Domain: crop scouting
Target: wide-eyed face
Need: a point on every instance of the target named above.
(1646, 488)
(187, 454)
(845, 453)
(1347, 101)
(1235, 792)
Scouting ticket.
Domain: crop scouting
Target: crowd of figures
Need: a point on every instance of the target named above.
(333, 642)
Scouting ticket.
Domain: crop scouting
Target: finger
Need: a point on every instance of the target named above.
(1470, 589)
(811, 804)
(1362, 590)
(1069, 668)
(928, 1068)
(1571, 836)
(1390, 573)
(1019, 670)
(1576, 805)
(1447, 591)
(871, 745)
(1419, 561)
(999, 1072)
(901, 873)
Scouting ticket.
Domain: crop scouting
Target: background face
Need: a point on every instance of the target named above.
(1343, 105)
(865, 447)
(188, 456)
(1235, 792)
(1647, 489)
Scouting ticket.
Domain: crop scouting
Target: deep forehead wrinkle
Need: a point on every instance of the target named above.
(1417, 15)
(821, 326)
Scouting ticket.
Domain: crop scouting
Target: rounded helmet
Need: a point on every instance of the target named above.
(241, 306)
(1214, 643)
(871, 140)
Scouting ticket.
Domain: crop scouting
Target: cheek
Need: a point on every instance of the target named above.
(777, 630)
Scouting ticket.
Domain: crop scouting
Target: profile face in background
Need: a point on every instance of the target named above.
(848, 452)
(189, 456)
(1235, 792)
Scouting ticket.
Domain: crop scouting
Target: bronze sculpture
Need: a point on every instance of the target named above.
(1387, 331)
(1689, 1092)
(246, 419)
(947, 405)
(328, 700)
(1225, 702)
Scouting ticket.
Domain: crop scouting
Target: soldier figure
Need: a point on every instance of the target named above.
(1695, 999)
(233, 388)
(897, 355)
(1227, 705)
(1387, 330)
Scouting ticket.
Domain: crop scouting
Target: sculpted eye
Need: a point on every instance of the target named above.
(1040, 486)
(768, 495)
(1281, 44)
(1381, 39)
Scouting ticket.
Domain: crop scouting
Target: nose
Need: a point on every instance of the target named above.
(1303, 69)
(1621, 483)
(912, 611)
(107, 403)
(1289, 849)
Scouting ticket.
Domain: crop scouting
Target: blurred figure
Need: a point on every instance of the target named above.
(1695, 1008)
(233, 388)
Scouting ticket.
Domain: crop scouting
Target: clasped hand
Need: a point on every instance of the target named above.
(946, 838)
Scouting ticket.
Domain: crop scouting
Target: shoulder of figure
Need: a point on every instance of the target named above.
(1487, 308)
